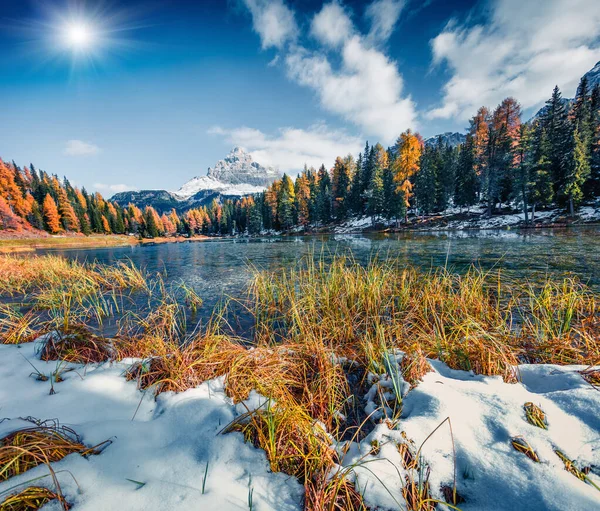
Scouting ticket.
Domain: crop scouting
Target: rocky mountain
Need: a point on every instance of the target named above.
(593, 77)
(448, 138)
(234, 176)
(237, 174)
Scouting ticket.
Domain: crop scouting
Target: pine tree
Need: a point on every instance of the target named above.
(35, 217)
(425, 181)
(556, 124)
(523, 179)
(340, 183)
(285, 203)
(376, 193)
(445, 176)
(580, 171)
(465, 195)
(368, 164)
(580, 114)
(592, 186)
(51, 217)
(255, 219)
(356, 188)
(324, 196)
(150, 223)
(542, 192)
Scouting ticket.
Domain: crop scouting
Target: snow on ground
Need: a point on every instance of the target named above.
(166, 446)
(478, 221)
(485, 414)
(167, 443)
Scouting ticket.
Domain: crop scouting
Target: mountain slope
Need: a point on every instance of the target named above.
(448, 138)
(593, 76)
(234, 176)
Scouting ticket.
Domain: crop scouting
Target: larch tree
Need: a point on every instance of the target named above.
(51, 216)
(409, 148)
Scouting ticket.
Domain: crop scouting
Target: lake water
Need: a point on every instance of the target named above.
(218, 268)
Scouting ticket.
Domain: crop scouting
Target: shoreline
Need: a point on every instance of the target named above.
(13, 245)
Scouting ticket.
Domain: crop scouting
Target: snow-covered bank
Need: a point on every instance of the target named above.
(454, 219)
(161, 450)
(486, 414)
(166, 446)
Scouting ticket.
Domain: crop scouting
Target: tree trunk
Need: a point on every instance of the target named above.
(524, 195)
(533, 213)
(571, 208)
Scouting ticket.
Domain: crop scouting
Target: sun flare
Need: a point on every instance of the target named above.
(79, 36)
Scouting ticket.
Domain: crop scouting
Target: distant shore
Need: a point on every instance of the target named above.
(30, 242)
(475, 220)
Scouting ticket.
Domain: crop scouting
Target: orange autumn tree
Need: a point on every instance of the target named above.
(302, 190)
(8, 220)
(479, 129)
(67, 213)
(409, 148)
(51, 216)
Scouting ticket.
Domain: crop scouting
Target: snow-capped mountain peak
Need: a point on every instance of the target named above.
(237, 174)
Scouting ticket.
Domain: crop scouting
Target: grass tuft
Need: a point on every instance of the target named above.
(521, 445)
(31, 499)
(535, 415)
(27, 448)
(79, 346)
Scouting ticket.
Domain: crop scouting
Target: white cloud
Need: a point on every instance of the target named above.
(349, 75)
(273, 21)
(291, 148)
(332, 25)
(523, 50)
(80, 148)
(365, 90)
(384, 15)
(116, 188)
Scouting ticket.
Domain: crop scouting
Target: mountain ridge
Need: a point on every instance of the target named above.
(234, 176)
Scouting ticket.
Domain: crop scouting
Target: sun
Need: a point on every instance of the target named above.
(79, 36)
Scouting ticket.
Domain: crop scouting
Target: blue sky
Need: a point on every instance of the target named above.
(164, 89)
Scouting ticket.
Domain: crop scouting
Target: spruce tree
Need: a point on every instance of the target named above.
(523, 180)
(376, 193)
(356, 188)
(592, 187)
(426, 181)
(580, 171)
(285, 203)
(542, 192)
(324, 196)
(465, 194)
(556, 124)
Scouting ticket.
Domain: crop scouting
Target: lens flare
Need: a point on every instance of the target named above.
(79, 36)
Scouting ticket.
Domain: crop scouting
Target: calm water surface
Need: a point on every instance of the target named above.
(220, 268)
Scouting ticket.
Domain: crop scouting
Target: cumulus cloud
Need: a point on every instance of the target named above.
(383, 15)
(273, 21)
(116, 188)
(348, 73)
(522, 50)
(80, 148)
(291, 148)
(332, 25)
